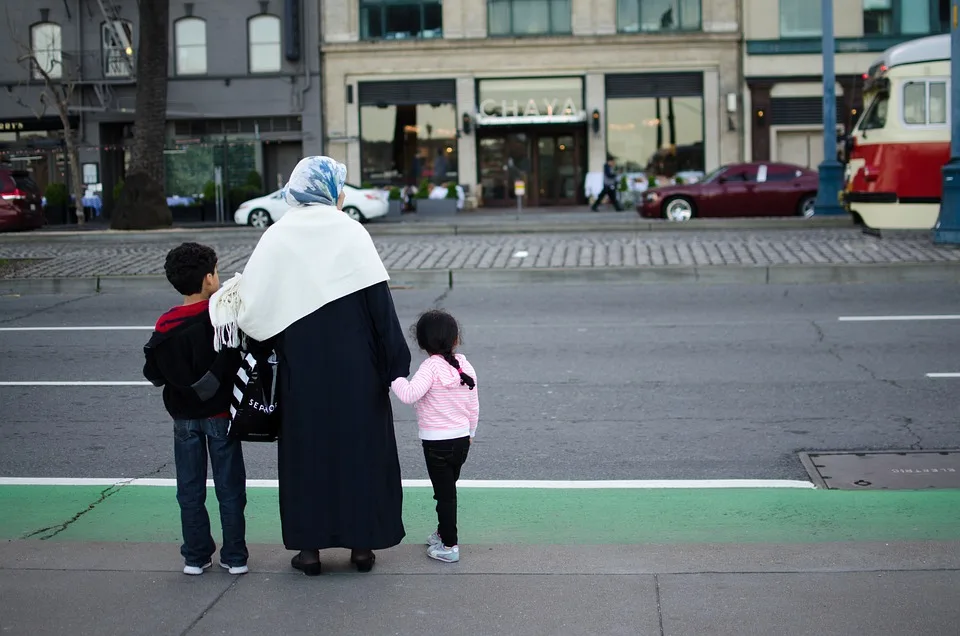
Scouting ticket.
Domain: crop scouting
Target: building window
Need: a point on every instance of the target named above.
(661, 136)
(46, 42)
(402, 145)
(400, 19)
(190, 37)
(800, 19)
(263, 36)
(925, 103)
(634, 16)
(116, 42)
(897, 17)
(529, 17)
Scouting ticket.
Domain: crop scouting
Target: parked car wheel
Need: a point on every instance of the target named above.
(260, 218)
(355, 214)
(678, 209)
(808, 205)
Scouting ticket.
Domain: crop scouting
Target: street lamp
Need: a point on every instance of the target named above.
(831, 170)
(947, 229)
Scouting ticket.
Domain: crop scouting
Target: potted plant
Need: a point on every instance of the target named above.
(624, 193)
(395, 202)
(58, 210)
(436, 207)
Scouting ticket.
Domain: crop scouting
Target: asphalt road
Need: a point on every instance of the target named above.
(577, 382)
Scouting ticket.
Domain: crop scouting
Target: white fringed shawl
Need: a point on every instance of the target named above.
(314, 255)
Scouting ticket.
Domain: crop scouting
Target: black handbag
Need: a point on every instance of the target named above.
(254, 411)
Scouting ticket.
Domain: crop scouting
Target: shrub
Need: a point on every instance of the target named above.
(452, 192)
(242, 193)
(209, 191)
(254, 181)
(395, 194)
(423, 191)
(58, 195)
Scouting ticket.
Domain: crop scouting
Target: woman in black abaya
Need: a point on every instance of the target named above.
(316, 289)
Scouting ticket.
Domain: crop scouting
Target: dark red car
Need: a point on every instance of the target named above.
(21, 203)
(737, 190)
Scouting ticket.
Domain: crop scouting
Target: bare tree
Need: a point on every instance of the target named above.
(143, 201)
(59, 85)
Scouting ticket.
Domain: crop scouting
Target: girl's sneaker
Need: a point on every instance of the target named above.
(196, 570)
(434, 539)
(443, 553)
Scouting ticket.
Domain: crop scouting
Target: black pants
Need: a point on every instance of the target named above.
(444, 461)
(608, 191)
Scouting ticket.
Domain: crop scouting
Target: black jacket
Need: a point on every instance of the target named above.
(197, 381)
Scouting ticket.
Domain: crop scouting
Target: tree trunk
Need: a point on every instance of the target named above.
(143, 203)
(72, 154)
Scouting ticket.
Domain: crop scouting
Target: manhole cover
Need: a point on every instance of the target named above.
(884, 470)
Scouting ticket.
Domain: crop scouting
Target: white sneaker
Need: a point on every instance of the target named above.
(235, 569)
(434, 539)
(443, 553)
(196, 570)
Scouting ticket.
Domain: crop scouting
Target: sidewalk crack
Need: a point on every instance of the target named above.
(656, 580)
(206, 610)
(37, 312)
(821, 339)
(51, 531)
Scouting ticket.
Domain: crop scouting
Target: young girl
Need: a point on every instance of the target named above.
(444, 394)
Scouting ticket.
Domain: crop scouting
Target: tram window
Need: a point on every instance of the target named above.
(938, 102)
(915, 103)
(876, 116)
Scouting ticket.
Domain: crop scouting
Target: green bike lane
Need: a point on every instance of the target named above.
(521, 516)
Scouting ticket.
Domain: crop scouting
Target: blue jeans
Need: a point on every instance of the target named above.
(192, 439)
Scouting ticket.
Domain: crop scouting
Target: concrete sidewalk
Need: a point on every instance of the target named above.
(509, 221)
(833, 589)
(96, 262)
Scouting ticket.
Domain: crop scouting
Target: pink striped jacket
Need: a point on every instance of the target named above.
(446, 409)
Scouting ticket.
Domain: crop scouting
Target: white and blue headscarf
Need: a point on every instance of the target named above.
(315, 181)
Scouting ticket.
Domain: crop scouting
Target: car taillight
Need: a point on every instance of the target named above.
(14, 195)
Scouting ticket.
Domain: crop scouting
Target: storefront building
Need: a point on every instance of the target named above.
(783, 67)
(243, 96)
(485, 93)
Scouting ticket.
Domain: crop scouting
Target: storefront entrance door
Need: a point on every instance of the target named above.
(550, 163)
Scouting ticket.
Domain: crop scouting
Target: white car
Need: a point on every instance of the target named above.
(360, 205)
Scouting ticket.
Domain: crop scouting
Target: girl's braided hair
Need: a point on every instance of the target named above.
(437, 333)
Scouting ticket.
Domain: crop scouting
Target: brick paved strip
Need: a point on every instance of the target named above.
(126, 256)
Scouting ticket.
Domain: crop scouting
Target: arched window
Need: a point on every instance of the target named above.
(46, 42)
(263, 36)
(116, 42)
(190, 37)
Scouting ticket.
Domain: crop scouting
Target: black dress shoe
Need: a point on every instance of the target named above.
(310, 568)
(363, 559)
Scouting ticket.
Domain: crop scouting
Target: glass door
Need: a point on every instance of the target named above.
(558, 169)
(503, 160)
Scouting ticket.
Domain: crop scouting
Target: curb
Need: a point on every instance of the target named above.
(415, 227)
(716, 274)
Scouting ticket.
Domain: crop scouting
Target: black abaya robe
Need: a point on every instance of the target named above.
(338, 464)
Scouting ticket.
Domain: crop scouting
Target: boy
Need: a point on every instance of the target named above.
(197, 387)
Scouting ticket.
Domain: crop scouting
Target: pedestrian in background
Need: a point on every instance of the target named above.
(444, 394)
(609, 186)
(197, 388)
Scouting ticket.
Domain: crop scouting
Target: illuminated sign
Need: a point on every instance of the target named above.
(532, 108)
(11, 126)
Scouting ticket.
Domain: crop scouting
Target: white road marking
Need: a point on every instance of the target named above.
(943, 375)
(897, 318)
(24, 329)
(425, 483)
(66, 383)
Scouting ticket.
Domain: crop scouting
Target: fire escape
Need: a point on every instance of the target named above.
(116, 60)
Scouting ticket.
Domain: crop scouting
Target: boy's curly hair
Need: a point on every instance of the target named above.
(187, 265)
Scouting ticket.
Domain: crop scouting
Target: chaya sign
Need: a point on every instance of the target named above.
(532, 108)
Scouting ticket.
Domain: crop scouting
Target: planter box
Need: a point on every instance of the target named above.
(436, 207)
(394, 208)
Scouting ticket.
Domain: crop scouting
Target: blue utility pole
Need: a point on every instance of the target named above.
(947, 229)
(831, 170)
